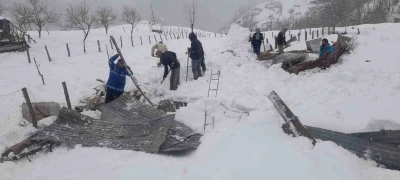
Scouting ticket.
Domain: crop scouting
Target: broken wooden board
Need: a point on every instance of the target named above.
(326, 61)
(286, 57)
(72, 128)
(267, 56)
(41, 109)
(314, 45)
(380, 152)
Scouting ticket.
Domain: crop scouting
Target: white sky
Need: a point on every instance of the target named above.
(214, 14)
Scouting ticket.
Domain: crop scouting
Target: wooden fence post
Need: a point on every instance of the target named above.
(29, 38)
(165, 37)
(170, 36)
(305, 35)
(161, 38)
(215, 34)
(317, 33)
(121, 41)
(267, 41)
(48, 55)
(132, 41)
(111, 44)
(298, 36)
(149, 40)
(174, 36)
(108, 55)
(98, 43)
(312, 35)
(28, 102)
(66, 95)
(141, 41)
(29, 56)
(69, 52)
(358, 29)
(155, 39)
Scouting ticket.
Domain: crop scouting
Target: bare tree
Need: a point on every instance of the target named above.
(42, 15)
(105, 16)
(190, 12)
(79, 17)
(131, 16)
(154, 19)
(1, 9)
(22, 15)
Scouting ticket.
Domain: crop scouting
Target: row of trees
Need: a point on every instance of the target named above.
(81, 16)
(332, 13)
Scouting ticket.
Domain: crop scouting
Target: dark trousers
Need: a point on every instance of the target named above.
(256, 49)
(196, 68)
(175, 79)
(203, 65)
(112, 94)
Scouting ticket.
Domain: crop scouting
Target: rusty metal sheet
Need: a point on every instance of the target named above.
(72, 128)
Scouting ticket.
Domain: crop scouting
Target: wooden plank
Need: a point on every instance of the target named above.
(28, 102)
(289, 117)
(122, 57)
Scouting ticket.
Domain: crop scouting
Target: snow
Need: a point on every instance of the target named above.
(352, 96)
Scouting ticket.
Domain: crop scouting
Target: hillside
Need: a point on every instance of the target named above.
(295, 14)
(353, 96)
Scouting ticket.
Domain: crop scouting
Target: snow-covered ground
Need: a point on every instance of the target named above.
(349, 97)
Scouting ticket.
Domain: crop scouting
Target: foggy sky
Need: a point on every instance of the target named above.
(213, 14)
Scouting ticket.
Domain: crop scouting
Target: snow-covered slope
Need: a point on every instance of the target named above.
(352, 96)
(271, 12)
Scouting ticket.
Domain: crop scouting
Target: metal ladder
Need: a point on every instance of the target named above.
(214, 77)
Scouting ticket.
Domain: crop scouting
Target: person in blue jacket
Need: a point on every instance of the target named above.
(117, 78)
(325, 48)
(256, 41)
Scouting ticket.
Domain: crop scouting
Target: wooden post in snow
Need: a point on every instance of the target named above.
(28, 102)
(69, 52)
(98, 43)
(121, 41)
(317, 33)
(66, 95)
(165, 37)
(312, 35)
(289, 117)
(305, 34)
(155, 38)
(132, 41)
(108, 55)
(149, 40)
(111, 44)
(29, 56)
(48, 54)
(141, 40)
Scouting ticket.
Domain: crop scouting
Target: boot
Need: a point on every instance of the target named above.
(196, 77)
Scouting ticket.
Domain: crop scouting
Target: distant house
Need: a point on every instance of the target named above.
(11, 38)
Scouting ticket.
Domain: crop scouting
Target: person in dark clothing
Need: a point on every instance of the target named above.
(256, 41)
(325, 48)
(169, 59)
(196, 53)
(117, 78)
(281, 40)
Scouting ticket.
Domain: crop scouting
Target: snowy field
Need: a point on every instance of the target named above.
(352, 96)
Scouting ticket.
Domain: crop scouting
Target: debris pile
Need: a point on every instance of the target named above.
(125, 124)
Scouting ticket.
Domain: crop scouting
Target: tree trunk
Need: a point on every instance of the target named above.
(40, 32)
(106, 30)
